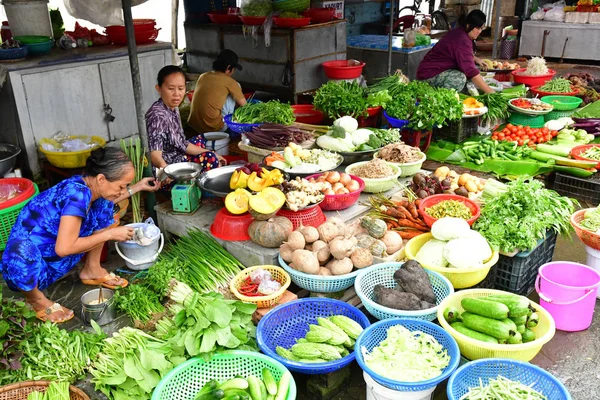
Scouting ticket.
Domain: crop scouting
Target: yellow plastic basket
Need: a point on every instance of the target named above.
(70, 159)
(460, 278)
(474, 349)
(277, 274)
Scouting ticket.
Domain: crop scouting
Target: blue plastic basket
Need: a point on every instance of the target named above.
(376, 333)
(396, 123)
(13, 54)
(237, 128)
(288, 322)
(383, 274)
(469, 375)
(319, 283)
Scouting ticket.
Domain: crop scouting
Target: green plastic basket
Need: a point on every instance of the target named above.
(292, 5)
(185, 381)
(536, 121)
(8, 216)
(563, 103)
(559, 114)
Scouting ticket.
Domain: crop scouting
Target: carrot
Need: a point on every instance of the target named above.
(417, 202)
(392, 212)
(409, 234)
(402, 203)
(404, 212)
(413, 210)
(406, 223)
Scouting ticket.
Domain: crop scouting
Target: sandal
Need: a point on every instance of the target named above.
(44, 315)
(102, 281)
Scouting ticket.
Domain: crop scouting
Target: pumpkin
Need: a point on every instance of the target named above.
(255, 183)
(264, 205)
(271, 233)
(237, 201)
(375, 227)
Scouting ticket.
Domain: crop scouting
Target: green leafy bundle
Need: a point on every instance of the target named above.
(337, 99)
(139, 302)
(56, 391)
(135, 152)
(272, 111)
(387, 136)
(517, 218)
(15, 322)
(256, 8)
(394, 84)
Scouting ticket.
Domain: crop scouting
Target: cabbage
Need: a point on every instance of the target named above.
(449, 228)
(335, 144)
(360, 136)
(348, 123)
(431, 254)
(463, 253)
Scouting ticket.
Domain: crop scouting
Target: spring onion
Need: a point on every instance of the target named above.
(503, 389)
(135, 152)
(593, 153)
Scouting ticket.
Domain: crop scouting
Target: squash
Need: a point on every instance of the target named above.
(237, 201)
(255, 183)
(266, 203)
(239, 180)
(271, 233)
(375, 227)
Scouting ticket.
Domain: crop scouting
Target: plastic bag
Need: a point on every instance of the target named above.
(538, 15)
(8, 192)
(557, 14)
(100, 12)
(260, 275)
(410, 38)
(269, 287)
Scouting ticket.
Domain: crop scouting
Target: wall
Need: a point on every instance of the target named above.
(359, 14)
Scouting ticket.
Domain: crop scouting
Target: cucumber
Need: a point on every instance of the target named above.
(283, 386)
(451, 314)
(233, 397)
(235, 383)
(460, 327)
(489, 326)
(517, 307)
(237, 392)
(216, 394)
(263, 390)
(270, 397)
(269, 381)
(522, 320)
(209, 386)
(533, 320)
(510, 323)
(521, 329)
(517, 339)
(503, 341)
(485, 308)
(254, 387)
(528, 336)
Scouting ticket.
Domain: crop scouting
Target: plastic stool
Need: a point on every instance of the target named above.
(416, 138)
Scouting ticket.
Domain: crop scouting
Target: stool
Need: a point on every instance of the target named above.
(55, 175)
(416, 138)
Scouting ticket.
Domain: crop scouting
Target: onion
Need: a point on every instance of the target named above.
(353, 186)
(329, 192)
(337, 186)
(345, 178)
(333, 177)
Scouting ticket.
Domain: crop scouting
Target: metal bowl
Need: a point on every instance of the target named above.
(358, 156)
(216, 181)
(8, 157)
(183, 171)
(293, 175)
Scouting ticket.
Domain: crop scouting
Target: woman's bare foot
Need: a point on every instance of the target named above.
(47, 310)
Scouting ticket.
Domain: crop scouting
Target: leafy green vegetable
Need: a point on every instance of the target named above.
(290, 14)
(592, 110)
(379, 99)
(16, 318)
(272, 111)
(387, 136)
(256, 8)
(139, 302)
(591, 220)
(341, 98)
(394, 84)
(519, 217)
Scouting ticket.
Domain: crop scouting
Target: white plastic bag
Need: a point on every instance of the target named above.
(100, 12)
(538, 15)
(557, 14)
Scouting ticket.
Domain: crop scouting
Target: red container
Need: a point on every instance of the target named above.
(320, 15)
(291, 22)
(26, 190)
(532, 80)
(253, 21)
(577, 150)
(306, 114)
(336, 202)
(535, 90)
(430, 201)
(247, 95)
(140, 38)
(223, 18)
(342, 69)
(228, 226)
(139, 25)
(372, 121)
(587, 8)
(418, 139)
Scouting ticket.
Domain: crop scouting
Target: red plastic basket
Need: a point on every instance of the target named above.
(228, 226)
(291, 22)
(25, 186)
(307, 114)
(336, 202)
(577, 150)
(536, 91)
(529, 80)
(253, 21)
(140, 37)
(590, 239)
(223, 18)
(437, 198)
(587, 8)
(320, 15)
(309, 217)
(342, 69)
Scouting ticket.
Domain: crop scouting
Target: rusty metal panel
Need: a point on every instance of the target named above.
(203, 38)
(318, 41)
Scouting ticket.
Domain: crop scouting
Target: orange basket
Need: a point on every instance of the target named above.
(588, 238)
(277, 274)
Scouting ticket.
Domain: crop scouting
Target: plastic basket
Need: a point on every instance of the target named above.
(396, 123)
(340, 69)
(480, 372)
(237, 128)
(578, 150)
(517, 274)
(582, 189)
(459, 277)
(291, 5)
(536, 121)
(336, 202)
(307, 114)
(308, 217)
(9, 215)
(277, 274)
(588, 238)
(291, 22)
(380, 184)
(562, 103)
(431, 201)
(319, 283)
(383, 274)
(20, 390)
(71, 159)
(474, 349)
(408, 169)
(185, 381)
(290, 321)
(13, 54)
(537, 92)
(458, 131)
(416, 138)
(40, 48)
(25, 186)
(552, 115)
(376, 333)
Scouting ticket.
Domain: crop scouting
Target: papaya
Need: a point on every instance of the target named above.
(266, 203)
(239, 180)
(237, 202)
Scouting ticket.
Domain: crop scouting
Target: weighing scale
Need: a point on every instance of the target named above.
(185, 194)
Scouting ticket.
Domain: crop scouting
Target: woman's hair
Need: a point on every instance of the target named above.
(108, 161)
(475, 19)
(166, 71)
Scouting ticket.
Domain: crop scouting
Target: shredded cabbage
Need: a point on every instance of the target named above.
(407, 356)
(536, 66)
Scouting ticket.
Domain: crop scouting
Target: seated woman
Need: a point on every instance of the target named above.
(58, 226)
(451, 62)
(165, 133)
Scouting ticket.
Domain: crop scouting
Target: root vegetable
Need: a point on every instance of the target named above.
(341, 248)
(412, 278)
(285, 251)
(293, 266)
(345, 179)
(321, 249)
(396, 299)
(306, 261)
(364, 240)
(296, 241)
(393, 242)
(361, 258)
(340, 267)
(324, 271)
(442, 172)
(471, 186)
(328, 192)
(310, 233)
(340, 224)
(328, 231)
(353, 186)
(337, 186)
(318, 245)
(333, 177)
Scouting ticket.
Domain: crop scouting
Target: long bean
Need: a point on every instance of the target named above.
(558, 85)
(503, 389)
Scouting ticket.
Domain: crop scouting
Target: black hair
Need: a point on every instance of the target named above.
(108, 161)
(167, 71)
(221, 65)
(475, 19)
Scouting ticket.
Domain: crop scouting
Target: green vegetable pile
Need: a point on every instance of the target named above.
(503, 388)
(449, 208)
(256, 8)
(16, 319)
(558, 85)
(249, 388)
(55, 391)
(592, 110)
(272, 111)
(139, 302)
(478, 151)
(593, 153)
(387, 136)
(378, 99)
(393, 84)
(289, 14)
(591, 220)
(341, 98)
(497, 103)
(518, 218)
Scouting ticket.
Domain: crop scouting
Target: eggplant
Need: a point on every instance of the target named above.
(587, 120)
(587, 126)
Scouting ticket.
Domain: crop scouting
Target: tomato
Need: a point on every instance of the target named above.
(554, 133)
(545, 130)
(501, 135)
(508, 126)
(520, 132)
(514, 129)
(525, 137)
(520, 142)
(548, 137)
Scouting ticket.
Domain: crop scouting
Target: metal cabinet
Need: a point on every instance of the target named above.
(582, 44)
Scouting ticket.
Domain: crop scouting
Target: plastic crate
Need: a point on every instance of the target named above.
(517, 274)
(458, 131)
(587, 189)
(9, 215)
(552, 115)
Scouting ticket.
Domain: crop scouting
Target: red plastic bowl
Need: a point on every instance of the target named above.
(529, 80)
(307, 114)
(25, 187)
(291, 22)
(430, 201)
(536, 91)
(253, 21)
(342, 69)
(228, 226)
(336, 202)
(320, 15)
(222, 18)
(577, 150)
(140, 38)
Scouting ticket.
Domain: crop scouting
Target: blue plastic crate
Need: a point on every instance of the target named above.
(236, 127)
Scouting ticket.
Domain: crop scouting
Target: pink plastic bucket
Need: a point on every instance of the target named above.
(568, 292)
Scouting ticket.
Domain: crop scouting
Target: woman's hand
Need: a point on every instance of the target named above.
(222, 161)
(148, 185)
(120, 233)
(477, 60)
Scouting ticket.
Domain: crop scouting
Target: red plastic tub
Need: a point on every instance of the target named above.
(343, 69)
(529, 80)
(228, 226)
(336, 202)
(430, 201)
(320, 15)
(291, 22)
(26, 190)
(223, 18)
(253, 21)
(140, 37)
(307, 114)
(535, 90)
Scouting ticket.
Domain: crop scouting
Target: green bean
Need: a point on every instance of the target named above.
(558, 85)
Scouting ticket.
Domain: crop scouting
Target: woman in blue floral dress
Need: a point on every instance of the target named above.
(56, 228)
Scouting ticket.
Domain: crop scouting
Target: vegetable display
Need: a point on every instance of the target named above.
(260, 282)
(393, 84)
(536, 66)
(586, 86)
(139, 302)
(524, 135)
(345, 137)
(256, 8)
(558, 85)
(592, 110)
(497, 103)
(300, 193)
(336, 99)
(487, 65)
(401, 216)
(249, 388)
(271, 111)
(331, 338)
(268, 136)
(295, 159)
(503, 388)
(254, 177)
(530, 104)
(400, 153)
(591, 220)
(135, 152)
(413, 289)
(270, 233)
(55, 391)
(16, 318)
(449, 181)
(374, 169)
(449, 208)
(336, 183)
(408, 356)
